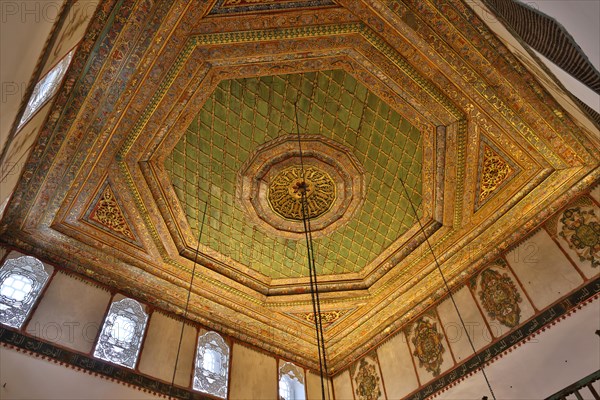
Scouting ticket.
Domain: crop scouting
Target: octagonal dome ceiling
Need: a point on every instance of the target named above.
(168, 103)
(240, 115)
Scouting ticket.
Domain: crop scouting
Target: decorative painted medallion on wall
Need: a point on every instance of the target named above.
(580, 227)
(500, 298)
(107, 213)
(495, 169)
(428, 345)
(289, 186)
(270, 185)
(366, 379)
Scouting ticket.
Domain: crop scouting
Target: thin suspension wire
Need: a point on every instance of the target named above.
(315, 296)
(318, 302)
(187, 303)
(312, 275)
(437, 264)
(314, 291)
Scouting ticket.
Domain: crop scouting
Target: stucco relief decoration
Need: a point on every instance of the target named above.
(428, 346)
(494, 172)
(108, 214)
(580, 227)
(500, 298)
(287, 189)
(367, 382)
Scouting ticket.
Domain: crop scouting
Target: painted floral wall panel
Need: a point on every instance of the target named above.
(366, 378)
(543, 269)
(577, 230)
(501, 298)
(429, 347)
(476, 331)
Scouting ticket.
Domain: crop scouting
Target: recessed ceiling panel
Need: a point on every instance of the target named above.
(243, 114)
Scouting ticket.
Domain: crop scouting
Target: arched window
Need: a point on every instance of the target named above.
(211, 370)
(286, 391)
(21, 281)
(121, 336)
(291, 382)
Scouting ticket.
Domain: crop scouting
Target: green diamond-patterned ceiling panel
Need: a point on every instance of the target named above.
(243, 114)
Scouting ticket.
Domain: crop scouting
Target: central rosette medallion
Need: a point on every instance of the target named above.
(272, 183)
(287, 188)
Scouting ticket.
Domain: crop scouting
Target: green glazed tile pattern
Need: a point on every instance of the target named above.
(242, 114)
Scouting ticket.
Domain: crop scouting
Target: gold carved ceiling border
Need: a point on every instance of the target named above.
(503, 88)
(461, 127)
(242, 37)
(527, 189)
(550, 141)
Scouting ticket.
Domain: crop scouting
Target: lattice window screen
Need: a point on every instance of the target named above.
(21, 281)
(212, 365)
(122, 333)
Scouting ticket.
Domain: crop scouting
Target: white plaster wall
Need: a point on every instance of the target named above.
(70, 313)
(23, 32)
(253, 374)
(342, 387)
(398, 372)
(25, 28)
(18, 152)
(26, 377)
(313, 387)
(72, 32)
(159, 351)
(455, 333)
(549, 362)
(543, 269)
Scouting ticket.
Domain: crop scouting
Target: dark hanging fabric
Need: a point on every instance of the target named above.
(593, 114)
(548, 37)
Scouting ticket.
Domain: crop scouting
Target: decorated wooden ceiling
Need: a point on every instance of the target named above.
(241, 115)
(175, 142)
